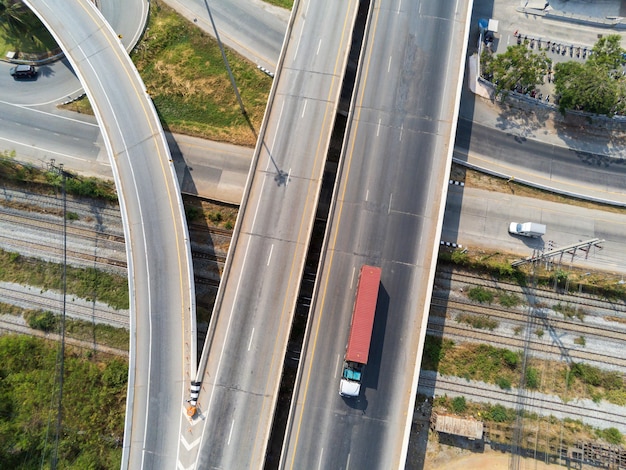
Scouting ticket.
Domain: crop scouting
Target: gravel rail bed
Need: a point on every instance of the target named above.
(583, 300)
(80, 309)
(601, 415)
(445, 308)
(464, 333)
(10, 324)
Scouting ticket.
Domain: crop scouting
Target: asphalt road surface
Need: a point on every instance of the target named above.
(480, 219)
(388, 213)
(253, 28)
(162, 349)
(251, 322)
(531, 159)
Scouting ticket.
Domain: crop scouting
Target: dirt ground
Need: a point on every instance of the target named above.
(490, 460)
(453, 458)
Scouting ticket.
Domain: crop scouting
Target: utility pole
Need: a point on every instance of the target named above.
(230, 73)
(61, 356)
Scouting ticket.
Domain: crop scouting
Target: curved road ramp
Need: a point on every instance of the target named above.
(163, 336)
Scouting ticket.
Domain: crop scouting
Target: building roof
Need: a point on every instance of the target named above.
(469, 428)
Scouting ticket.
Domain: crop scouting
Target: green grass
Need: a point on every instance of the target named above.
(481, 294)
(105, 335)
(288, 4)
(184, 73)
(94, 394)
(508, 299)
(480, 322)
(33, 178)
(87, 283)
(37, 41)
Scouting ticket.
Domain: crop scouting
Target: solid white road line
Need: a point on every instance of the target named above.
(352, 278)
(230, 434)
(250, 342)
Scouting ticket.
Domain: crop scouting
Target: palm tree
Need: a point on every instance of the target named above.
(13, 17)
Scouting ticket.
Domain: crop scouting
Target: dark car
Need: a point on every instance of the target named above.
(23, 71)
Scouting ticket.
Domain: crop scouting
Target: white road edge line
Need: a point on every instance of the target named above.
(352, 278)
(250, 342)
(271, 149)
(230, 434)
(295, 55)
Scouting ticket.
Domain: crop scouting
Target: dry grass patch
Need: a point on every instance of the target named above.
(478, 180)
(184, 73)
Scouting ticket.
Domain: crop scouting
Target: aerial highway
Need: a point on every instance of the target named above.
(255, 29)
(527, 158)
(162, 301)
(388, 212)
(251, 321)
(477, 218)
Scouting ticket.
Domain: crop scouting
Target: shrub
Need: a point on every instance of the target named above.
(71, 216)
(511, 358)
(507, 299)
(611, 435)
(503, 383)
(215, 217)
(192, 213)
(589, 375)
(459, 257)
(480, 294)
(532, 378)
(569, 311)
(580, 341)
(459, 405)
(44, 321)
(518, 330)
(480, 322)
(499, 414)
(539, 332)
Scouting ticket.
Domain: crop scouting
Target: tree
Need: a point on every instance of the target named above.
(519, 66)
(589, 87)
(608, 52)
(597, 86)
(13, 16)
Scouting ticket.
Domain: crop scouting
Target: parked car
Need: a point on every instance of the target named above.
(23, 71)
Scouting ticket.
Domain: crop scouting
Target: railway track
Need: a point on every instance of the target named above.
(581, 300)
(15, 326)
(467, 333)
(544, 405)
(447, 307)
(38, 300)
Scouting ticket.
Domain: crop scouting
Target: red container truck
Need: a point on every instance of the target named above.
(360, 337)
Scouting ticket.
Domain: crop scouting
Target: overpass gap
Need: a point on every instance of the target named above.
(309, 275)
